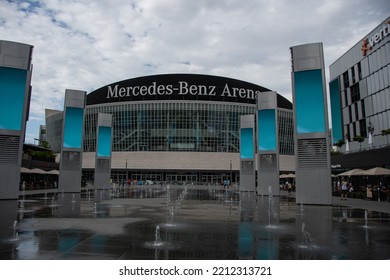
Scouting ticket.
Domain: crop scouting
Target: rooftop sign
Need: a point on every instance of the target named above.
(177, 87)
(369, 42)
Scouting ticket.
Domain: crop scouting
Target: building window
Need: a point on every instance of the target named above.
(359, 67)
(286, 132)
(363, 109)
(355, 93)
(346, 79)
(353, 75)
(363, 129)
(350, 113)
(348, 135)
(346, 98)
(356, 112)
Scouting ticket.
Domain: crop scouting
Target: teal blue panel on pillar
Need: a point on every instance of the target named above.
(337, 122)
(309, 101)
(104, 144)
(246, 143)
(266, 125)
(73, 129)
(12, 95)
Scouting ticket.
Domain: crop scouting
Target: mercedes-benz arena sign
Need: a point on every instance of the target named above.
(177, 87)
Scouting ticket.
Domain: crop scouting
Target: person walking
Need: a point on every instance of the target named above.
(344, 189)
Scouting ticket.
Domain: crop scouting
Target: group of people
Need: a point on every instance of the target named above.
(347, 189)
(287, 186)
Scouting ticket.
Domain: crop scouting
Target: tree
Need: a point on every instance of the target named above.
(339, 144)
(386, 132)
(45, 144)
(360, 139)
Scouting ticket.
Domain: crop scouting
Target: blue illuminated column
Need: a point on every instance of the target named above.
(247, 153)
(15, 94)
(335, 105)
(103, 151)
(312, 147)
(267, 144)
(72, 141)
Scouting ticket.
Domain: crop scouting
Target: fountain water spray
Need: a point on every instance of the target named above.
(307, 241)
(365, 218)
(157, 238)
(15, 234)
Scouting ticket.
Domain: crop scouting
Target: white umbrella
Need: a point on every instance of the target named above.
(37, 171)
(376, 171)
(25, 170)
(352, 172)
(285, 176)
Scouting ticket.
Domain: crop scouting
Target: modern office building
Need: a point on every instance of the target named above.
(42, 135)
(360, 92)
(175, 127)
(360, 102)
(54, 119)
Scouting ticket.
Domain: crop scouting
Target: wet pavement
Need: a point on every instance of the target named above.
(189, 222)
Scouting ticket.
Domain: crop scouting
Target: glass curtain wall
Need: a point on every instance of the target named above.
(175, 126)
(198, 127)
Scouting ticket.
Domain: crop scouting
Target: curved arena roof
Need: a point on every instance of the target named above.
(181, 87)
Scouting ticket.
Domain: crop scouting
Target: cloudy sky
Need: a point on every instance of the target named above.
(86, 44)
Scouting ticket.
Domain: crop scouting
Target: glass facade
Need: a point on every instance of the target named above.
(54, 120)
(337, 129)
(361, 81)
(286, 132)
(196, 126)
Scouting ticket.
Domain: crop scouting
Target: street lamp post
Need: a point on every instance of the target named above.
(231, 174)
(126, 172)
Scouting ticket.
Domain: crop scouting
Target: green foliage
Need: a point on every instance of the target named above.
(358, 138)
(340, 143)
(41, 155)
(45, 144)
(335, 153)
(386, 131)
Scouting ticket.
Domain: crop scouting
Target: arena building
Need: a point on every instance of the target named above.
(175, 127)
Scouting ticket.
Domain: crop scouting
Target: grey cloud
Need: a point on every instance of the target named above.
(86, 44)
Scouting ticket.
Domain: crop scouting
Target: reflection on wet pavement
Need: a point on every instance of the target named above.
(184, 222)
